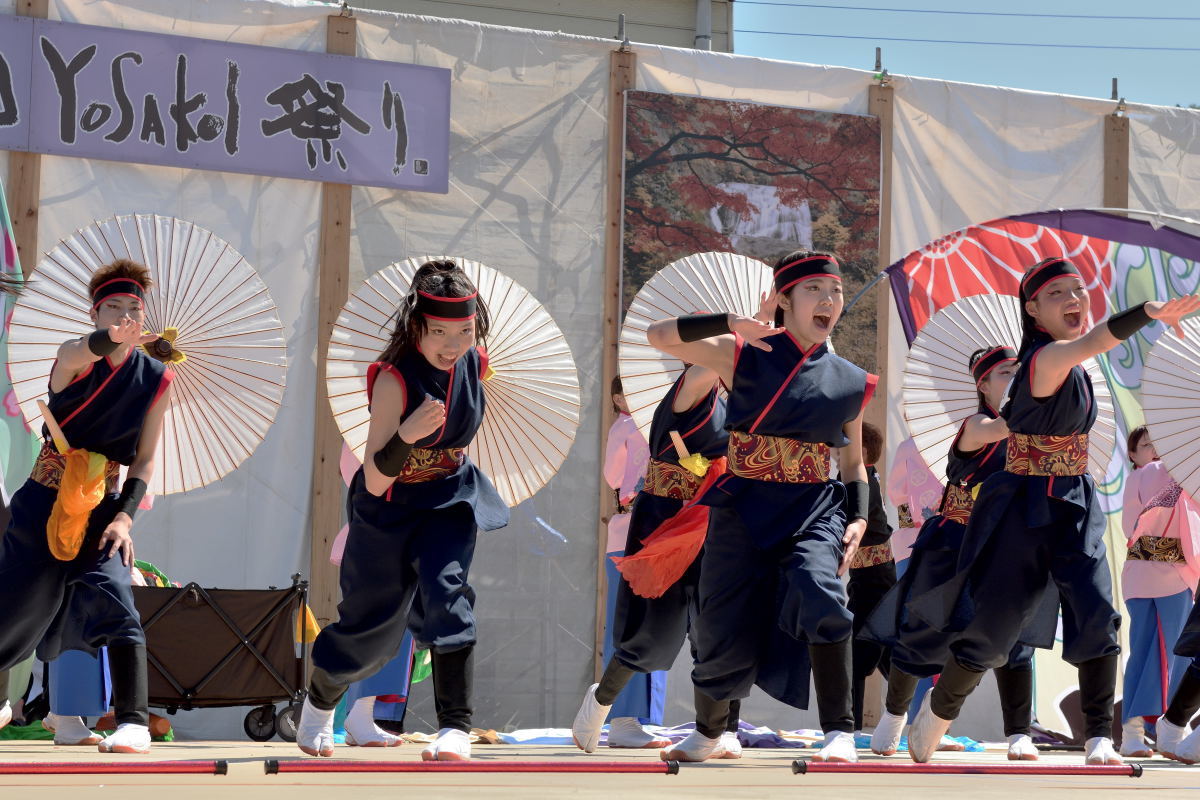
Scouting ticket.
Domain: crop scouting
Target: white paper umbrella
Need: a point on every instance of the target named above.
(1170, 400)
(939, 392)
(230, 382)
(532, 400)
(705, 282)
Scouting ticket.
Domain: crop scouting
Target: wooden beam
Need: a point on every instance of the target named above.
(622, 69)
(881, 105)
(1116, 161)
(881, 102)
(25, 176)
(328, 490)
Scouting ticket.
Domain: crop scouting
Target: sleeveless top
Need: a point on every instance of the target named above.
(103, 408)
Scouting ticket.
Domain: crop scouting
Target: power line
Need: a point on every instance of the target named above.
(970, 13)
(958, 41)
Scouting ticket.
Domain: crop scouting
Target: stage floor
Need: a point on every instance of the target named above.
(762, 773)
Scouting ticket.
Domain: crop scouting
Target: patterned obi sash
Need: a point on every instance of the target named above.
(1156, 548)
(664, 479)
(50, 464)
(430, 464)
(957, 504)
(872, 556)
(777, 459)
(1030, 454)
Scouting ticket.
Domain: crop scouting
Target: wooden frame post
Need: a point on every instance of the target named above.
(622, 69)
(328, 490)
(25, 176)
(881, 103)
(1116, 161)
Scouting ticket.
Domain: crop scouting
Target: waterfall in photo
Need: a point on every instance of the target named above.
(771, 228)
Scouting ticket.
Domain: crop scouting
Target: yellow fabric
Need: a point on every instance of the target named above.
(696, 464)
(307, 627)
(81, 490)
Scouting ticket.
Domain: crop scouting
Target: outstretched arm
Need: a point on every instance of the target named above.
(1056, 359)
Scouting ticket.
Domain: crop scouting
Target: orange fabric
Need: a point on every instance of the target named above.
(672, 547)
(81, 490)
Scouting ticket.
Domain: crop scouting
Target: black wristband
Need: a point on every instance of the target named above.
(391, 457)
(132, 492)
(858, 501)
(100, 343)
(695, 327)
(1126, 323)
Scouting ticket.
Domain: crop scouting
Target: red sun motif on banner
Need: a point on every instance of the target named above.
(992, 257)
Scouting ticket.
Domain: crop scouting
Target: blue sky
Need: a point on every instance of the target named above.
(1162, 77)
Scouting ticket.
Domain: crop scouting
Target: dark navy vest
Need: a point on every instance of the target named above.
(104, 408)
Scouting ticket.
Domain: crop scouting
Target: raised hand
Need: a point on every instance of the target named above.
(1172, 312)
(753, 331)
(128, 330)
(767, 304)
(426, 420)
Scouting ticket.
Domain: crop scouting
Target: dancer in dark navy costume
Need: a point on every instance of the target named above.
(872, 574)
(781, 531)
(414, 508)
(648, 632)
(919, 650)
(1037, 526)
(62, 584)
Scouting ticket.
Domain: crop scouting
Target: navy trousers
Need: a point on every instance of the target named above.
(51, 605)
(391, 555)
(1007, 582)
(648, 632)
(755, 601)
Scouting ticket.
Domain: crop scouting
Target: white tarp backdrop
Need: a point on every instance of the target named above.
(526, 193)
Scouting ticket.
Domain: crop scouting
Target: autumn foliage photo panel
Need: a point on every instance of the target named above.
(753, 179)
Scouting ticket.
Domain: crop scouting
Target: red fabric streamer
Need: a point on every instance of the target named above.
(672, 547)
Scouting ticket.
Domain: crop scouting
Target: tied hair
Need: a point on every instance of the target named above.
(442, 278)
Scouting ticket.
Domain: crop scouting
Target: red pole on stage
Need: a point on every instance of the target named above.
(114, 768)
(874, 767)
(273, 766)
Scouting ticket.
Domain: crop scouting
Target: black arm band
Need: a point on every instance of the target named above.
(1128, 322)
(100, 343)
(695, 327)
(391, 457)
(858, 501)
(132, 492)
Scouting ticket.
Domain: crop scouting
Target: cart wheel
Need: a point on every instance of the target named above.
(286, 721)
(260, 723)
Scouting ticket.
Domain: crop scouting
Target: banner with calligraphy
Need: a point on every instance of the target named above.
(122, 95)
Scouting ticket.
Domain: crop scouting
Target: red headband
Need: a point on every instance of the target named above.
(446, 309)
(1039, 277)
(814, 266)
(990, 360)
(126, 287)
